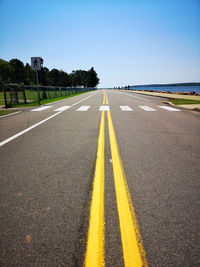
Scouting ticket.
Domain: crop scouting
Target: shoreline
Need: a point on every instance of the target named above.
(164, 94)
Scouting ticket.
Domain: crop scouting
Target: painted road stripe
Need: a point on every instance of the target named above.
(95, 242)
(106, 100)
(135, 96)
(126, 108)
(146, 108)
(83, 99)
(83, 108)
(104, 97)
(74, 97)
(41, 108)
(169, 108)
(62, 108)
(27, 130)
(104, 108)
(9, 114)
(133, 251)
(37, 124)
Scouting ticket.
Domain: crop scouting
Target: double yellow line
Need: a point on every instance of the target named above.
(105, 99)
(133, 251)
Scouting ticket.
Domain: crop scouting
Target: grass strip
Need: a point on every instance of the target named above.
(5, 112)
(184, 101)
(46, 101)
(2, 103)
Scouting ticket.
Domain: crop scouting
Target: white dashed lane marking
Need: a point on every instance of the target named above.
(7, 115)
(41, 108)
(146, 108)
(62, 108)
(39, 123)
(83, 108)
(135, 96)
(126, 108)
(169, 108)
(104, 108)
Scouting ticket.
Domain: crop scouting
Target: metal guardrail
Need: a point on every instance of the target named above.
(14, 94)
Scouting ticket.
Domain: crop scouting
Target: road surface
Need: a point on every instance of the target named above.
(104, 178)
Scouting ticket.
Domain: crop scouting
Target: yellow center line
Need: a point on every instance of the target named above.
(104, 97)
(95, 244)
(133, 251)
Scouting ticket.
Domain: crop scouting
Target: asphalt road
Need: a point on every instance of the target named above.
(48, 169)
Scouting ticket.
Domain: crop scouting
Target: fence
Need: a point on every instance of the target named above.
(14, 94)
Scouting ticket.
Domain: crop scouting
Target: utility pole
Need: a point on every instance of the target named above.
(38, 90)
(36, 64)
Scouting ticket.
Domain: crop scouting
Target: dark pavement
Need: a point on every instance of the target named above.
(47, 177)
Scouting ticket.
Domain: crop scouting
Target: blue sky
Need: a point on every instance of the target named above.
(127, 42)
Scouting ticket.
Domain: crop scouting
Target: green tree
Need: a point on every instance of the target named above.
(14, 71)
(64, 79)
(79, 78)
(44, 78)
(54, 77)
(5, 71)
(18, 73)
(92, 79)
(84, 75)
(29, 75)
(76, 78)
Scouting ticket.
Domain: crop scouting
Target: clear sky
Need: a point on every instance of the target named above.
(126, 41)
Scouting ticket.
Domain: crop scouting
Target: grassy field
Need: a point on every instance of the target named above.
(42, 102)
(2, 99)
(184, 101)
(32, 97)
(5, 112)
(2, 102)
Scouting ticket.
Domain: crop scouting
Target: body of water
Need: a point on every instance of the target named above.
(171, 89)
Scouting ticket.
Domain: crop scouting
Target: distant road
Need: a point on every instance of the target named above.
(106, 177)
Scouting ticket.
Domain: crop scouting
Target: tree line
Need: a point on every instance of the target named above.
(14, 71)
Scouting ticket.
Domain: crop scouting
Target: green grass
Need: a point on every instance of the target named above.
(184, 101)
(5, 112)
(42, 102)
(2, 99)
(2, 102)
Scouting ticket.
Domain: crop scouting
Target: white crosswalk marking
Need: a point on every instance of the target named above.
(104, 108)
(83, 108)
(62, 108)
(169, 108)
(126, 108)
(146, 108)
(41, 108)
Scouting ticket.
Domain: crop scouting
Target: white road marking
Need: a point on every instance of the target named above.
(146, 108)
(62, 108)
(9, 114)
(83, 99)
(104, 108)
(169, 108)
(37, 124)
(27, 130)
(66, 99)
(41, 108)
(135, 96)
(126, 108)
(83, 108)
